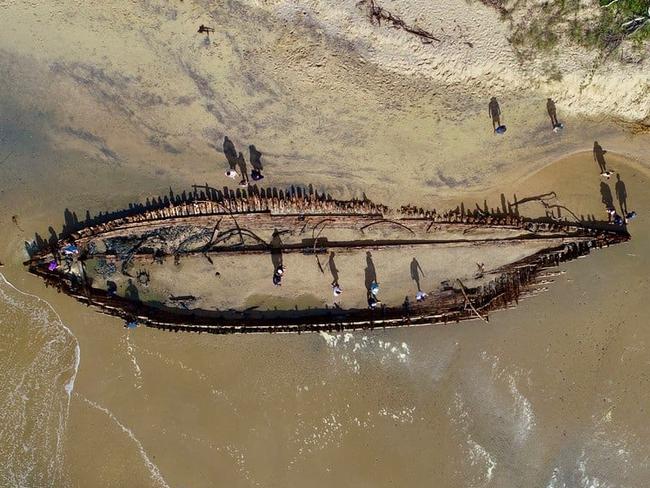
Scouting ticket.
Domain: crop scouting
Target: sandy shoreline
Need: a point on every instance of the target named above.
(108, 379)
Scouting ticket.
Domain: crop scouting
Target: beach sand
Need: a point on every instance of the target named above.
(553, 390)
(117, 104)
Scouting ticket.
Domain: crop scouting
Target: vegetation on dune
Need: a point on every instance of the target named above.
(598, 24)
(618, 20)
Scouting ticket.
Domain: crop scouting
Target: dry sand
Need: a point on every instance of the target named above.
(116, 104)
(143, 92)
(245, 282)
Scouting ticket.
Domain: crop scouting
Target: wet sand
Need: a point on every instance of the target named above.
(550, 394)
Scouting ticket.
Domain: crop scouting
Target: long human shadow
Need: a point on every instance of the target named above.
(255, 157)
(241, 164)
(131, 291)
(416, 269)
(606, 195)
(370, 271)
(599, 157)
(333, 269)
(230, 152)
(276, 250)
(621, 193)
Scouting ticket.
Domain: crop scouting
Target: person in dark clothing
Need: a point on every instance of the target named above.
(372, 301)
(552, 111)
(277, 275)
(495, 112)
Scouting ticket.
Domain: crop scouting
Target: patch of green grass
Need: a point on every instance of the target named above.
(545, 26)
(628, 8)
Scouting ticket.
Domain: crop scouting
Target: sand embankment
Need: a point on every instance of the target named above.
(328, 97)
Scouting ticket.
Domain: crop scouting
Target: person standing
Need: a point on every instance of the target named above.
(495, 113)
(552, 112)
(372, 301)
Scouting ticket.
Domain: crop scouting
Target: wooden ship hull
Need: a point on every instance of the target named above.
(204, 263)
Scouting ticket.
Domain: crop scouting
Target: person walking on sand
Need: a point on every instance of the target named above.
(495, 113)
(372, 301)
(374, 288)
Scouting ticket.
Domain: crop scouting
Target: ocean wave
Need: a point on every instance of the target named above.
(353, 347)
(40, 362)
(153, 469)
(478, 456)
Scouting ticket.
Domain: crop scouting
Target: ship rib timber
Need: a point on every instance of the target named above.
(235, 235)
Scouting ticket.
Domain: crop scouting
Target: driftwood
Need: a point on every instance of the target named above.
(378, 14)
(469, 302)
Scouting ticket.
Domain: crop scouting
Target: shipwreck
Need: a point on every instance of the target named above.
(210, 261)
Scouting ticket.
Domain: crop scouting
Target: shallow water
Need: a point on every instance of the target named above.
(40, 358)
